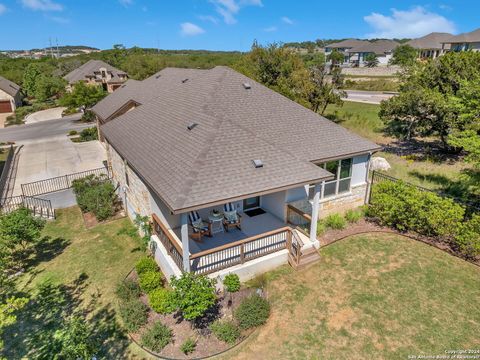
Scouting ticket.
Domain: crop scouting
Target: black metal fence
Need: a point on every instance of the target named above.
(60, 182)
(38, 207)
(6, 170)
(378, 177)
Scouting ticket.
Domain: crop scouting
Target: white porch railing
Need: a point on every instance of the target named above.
(241, 251)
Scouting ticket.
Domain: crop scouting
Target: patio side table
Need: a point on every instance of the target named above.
(217, 223)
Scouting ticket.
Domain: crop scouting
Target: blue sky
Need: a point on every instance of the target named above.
(223, 24)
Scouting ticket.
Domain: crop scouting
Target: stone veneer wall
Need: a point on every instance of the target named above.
(137, 193)
(343, 202)
(375, 71)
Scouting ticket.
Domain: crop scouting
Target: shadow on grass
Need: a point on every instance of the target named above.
(47, 249)
(33, 333)
(466, 188)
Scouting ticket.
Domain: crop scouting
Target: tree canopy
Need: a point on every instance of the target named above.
(403, 55)
(83, 95)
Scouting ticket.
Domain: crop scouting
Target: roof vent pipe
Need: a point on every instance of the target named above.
(257, 163)
(184, 81)
(247, 86)
(192, 126)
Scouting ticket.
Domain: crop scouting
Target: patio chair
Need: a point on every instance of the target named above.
(231, 218)
(199, 227)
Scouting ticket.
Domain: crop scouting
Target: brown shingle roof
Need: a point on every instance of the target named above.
(472, 36)
(89, 69)
(9, 87)
(213, 162)
(433, 40)
(378, 47)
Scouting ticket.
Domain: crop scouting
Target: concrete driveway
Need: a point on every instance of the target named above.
(44, 115)
(47, 158)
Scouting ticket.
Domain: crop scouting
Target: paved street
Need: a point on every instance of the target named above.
(44, 129)
(369, 97)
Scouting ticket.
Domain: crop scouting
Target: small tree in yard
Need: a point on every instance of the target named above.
(75, 340)
(19, 233)
(193, 294)
(371, 60)
(403, 55)
(336, 58)
(231, 284)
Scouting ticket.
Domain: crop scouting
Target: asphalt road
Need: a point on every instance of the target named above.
(368, 97)
(43, 129)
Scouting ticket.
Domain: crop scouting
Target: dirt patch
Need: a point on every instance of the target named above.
(90, 220)
(343, 318)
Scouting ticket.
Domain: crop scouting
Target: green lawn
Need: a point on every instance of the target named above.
(370, 297)
(363, 119)
(78, 271)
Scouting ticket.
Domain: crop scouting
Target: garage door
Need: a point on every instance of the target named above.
(5, 106)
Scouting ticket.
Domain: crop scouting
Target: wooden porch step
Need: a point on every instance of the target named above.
(309, 256)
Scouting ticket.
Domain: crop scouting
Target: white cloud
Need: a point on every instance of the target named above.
(42, 5)
(410, 23)
(189, 29)
(287, 20)
(229, 8)
(126, 2)
(445, 7)
(270, 29)
(209, 18)
(3, 9)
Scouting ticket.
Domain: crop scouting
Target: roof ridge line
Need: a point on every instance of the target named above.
(198, 164)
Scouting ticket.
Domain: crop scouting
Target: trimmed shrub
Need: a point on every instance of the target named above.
(225, 330)
(231, 282)
(96, 194)
(133, 314)
(335, 221)
(468, 239)
(146, 264)
(150, 280)
(194, 294)
(321, 228)
(156, 337)
(162, 301)
(188, 346)
(72, 132)
(353, 216)
(89, 134)
(253, 311)
(127, 290)
(407, 208)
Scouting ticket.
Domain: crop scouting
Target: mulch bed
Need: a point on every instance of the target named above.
(90, 220)
(207, 343)
(368, 226)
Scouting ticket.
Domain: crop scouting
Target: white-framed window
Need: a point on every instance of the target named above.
(342, 170)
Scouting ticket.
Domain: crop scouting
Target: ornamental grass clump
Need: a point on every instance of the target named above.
(335, 222)
(156, 337)
(225, 330)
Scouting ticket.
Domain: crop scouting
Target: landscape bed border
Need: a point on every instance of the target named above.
(158, 356)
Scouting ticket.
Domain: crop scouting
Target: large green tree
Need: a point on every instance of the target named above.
(404, 55)
(437, 98)
(83, 95)
(48, 87)
(30, 77)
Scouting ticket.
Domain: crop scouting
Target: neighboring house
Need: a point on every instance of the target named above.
(432, 45)
(465, 41)
(188, 141)
(97, 72)
(344, 47)
(10, 96)
(383, 49)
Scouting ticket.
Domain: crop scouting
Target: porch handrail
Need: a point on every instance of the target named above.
(239, 242)
(300, 212)
(168, 241)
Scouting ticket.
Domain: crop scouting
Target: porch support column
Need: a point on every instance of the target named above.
(185, 248)
(315, 210)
